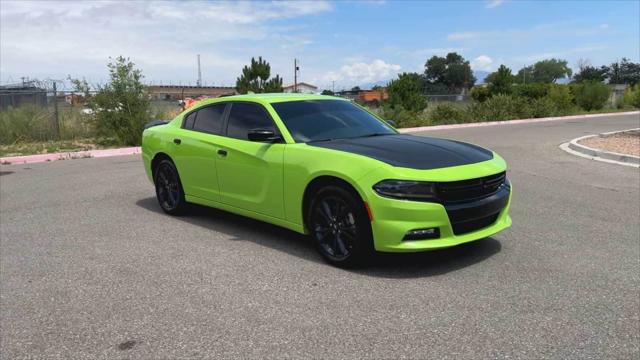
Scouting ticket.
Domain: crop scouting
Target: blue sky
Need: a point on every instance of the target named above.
(349, 42)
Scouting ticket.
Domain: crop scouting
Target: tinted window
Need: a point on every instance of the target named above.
(209, 119)
(314, 120)
(246, 116)
(188, 121)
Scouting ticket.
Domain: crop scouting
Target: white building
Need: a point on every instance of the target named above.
(303, 88)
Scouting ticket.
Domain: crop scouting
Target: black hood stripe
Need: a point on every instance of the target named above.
(409, 151)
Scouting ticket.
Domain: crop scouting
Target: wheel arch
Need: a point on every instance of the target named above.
(318, 183)
(157, 158)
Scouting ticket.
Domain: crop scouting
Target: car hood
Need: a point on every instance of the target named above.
(410, 151)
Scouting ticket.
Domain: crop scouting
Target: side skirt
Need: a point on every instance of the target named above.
(248, 213)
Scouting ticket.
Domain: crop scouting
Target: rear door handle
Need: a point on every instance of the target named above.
(177, 141)
(222, 152)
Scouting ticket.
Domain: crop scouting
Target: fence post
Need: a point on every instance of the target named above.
(56, 119)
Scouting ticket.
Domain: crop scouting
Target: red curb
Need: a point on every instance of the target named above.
(27, 159)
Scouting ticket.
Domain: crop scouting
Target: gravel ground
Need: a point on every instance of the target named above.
(91, 268)
(623, 143)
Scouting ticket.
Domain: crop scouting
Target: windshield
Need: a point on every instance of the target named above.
(319, 120)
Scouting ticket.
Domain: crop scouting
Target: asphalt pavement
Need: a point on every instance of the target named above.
(91, 268)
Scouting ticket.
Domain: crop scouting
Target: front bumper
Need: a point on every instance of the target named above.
(457, 223)
(392, 219)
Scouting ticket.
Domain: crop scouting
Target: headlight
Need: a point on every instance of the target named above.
(408, 190)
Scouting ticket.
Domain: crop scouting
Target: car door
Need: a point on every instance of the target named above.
(195, 152)
(250, 172)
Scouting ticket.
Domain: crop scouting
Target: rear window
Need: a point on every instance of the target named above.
(317, 120)
(209, 119)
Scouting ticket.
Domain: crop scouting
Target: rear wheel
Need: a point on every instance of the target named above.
(340, 227)
(168, 188)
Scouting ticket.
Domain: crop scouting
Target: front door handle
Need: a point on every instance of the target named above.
(177, 141)
(222, 152)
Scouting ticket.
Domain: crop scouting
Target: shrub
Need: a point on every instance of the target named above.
(446, 113)
(543, 107)
(406, 92)
(591, 95)
(632, 96)
(403, 117)
(562, 98)
(531, 91)
(122, 107)
(500, 107)
(480, 93)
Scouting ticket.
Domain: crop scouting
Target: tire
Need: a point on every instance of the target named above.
(169, 190)
(339, 226)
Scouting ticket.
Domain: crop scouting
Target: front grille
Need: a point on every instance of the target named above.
(469, 189)
(473, 225)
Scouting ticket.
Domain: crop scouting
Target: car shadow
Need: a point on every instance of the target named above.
(409, 265)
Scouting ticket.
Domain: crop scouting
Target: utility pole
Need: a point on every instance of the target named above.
(295, 75)
(333, 86)
(56, 120)
(199, 73)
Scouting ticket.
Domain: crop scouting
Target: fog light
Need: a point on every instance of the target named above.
(422, 234)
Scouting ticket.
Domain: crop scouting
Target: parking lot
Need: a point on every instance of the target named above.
(91, 267)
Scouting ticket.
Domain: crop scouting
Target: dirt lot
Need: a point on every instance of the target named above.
(623, 143)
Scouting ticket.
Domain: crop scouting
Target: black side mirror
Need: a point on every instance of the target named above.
(392, 123)
(266, 135)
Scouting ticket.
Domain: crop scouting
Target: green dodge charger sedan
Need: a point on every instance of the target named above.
(326, 167)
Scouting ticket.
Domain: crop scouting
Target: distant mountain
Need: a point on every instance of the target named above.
(480, 76)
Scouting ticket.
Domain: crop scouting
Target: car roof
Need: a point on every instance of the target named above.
(272, 98)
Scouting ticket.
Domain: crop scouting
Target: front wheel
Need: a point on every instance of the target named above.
(169, 188)
(340, 226)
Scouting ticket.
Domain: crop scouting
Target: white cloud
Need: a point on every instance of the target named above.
(55, 38)
(359, 73)
(559, 54)
(482, 62)
(546, 30)
(493, 3)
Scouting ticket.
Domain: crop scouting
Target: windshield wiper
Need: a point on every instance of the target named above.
(374, 134)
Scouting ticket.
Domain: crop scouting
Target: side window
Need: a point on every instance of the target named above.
(246, 116)
(209, 119)
(187, 123)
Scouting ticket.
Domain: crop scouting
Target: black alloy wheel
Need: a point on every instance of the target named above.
(168, 188)
(340, 226)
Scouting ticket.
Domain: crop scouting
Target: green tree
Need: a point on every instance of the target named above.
(327, 92)
(624, 72)
(453, 71)
(405, 92)
(544, 71)
(122, 106)
(255, 78)
(355, 88)
(500, 81)
(588, 72)
(591, 95)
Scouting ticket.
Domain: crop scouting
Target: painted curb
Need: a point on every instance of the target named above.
(514, 122)
(27, 159)
(573, 147)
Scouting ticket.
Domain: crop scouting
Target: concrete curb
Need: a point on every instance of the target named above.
(27, 159)
(514, 122)
(573, 147)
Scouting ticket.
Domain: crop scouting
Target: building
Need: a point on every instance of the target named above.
(178, 92)
(374, 96)
(302, 87)
(15, 95)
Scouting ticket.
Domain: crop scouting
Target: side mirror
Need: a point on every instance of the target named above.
(265, 135)
(392, 123)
